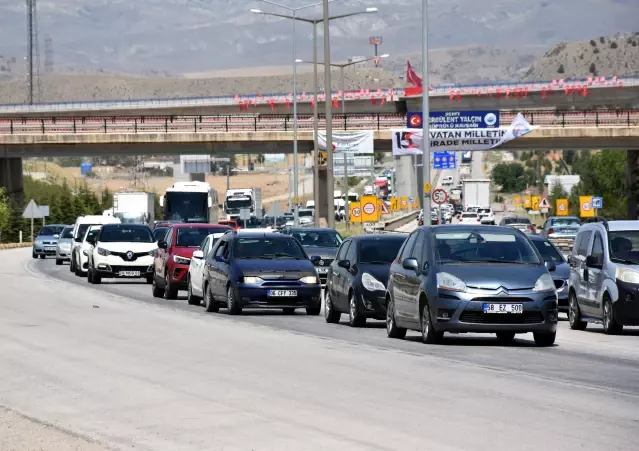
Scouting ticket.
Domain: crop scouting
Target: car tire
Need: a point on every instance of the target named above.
(330, 314)
(34, 255)
(505, 337)
(89, 275)
(157, 291)
(354, 317)
(231, 303)
(58, 262)
(71, 264)
(170, 292)
(544, 339)
(574, 314)
(95, 278)
(429, 334)
(209, 302)
(392, 329)
(42, 256)
(610, 324)
(288, 310)
(190, 297)
(313, 311)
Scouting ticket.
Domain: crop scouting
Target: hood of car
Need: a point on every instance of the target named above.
(328, 253)
(275, 268)
(562, 271)
(491, 276)
(126, 247)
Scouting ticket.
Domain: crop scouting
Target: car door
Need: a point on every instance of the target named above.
(413, 279)
(221, 269)
(594, 292)
(340, 299)
(580, 267)
(333, 271)
(160, 259)
(348, 274)
(400, 294)
(197, 267)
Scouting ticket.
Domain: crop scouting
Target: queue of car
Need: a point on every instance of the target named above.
(459, 278)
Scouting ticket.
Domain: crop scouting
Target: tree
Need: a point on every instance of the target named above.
(106, 199)
(592, 69)
(561, 69)
(557, 191)
(510, 176)
(260, 158)
(5, 213)
(378, 157)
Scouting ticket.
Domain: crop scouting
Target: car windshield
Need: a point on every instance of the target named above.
(548, 251)
(268, 248)
(317, 238)
(508, 221)
(126, 234)
(624, 246)
(482, 246)
(67, 233)
(193, 236)
(379, 251)
(302, 213)
(565, 222)
(159, 233)
(50, 230)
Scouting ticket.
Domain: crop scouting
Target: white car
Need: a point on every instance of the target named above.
(195, 278)
(468, 217)
(486, 216)
(82, 224)
(122, 251)
(83, 250)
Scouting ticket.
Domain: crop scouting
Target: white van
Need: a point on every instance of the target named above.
(80, 228)
(448, 180)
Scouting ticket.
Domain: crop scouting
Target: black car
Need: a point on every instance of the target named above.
(318, 242)
(260, 270)
(357, 278)
(159, 233)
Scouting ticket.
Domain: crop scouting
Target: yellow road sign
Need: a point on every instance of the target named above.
(369, 209)
(356, 212)
(427, 188)
(535, 203)
(415, 203)
(517, 201)
(585, 207)
(527, 202)
(403, 203)
(561, 207)
(394, 204)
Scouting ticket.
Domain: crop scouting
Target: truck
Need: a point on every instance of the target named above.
(476, 192)
(133, 207)
(195, 202)
(466, 157)
(464, 171)
(239, 198)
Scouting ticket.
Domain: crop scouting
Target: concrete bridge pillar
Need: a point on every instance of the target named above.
(632, 176)
(11, 176)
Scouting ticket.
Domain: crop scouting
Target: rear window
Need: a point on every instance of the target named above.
(516, 221)
(194, 236)
(469, 215)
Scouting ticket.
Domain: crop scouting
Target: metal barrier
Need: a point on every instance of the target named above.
(280, 122)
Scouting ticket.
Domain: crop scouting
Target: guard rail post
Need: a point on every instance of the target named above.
(532, 118)
(105, 125)
(255, 123)
(226, 123)
(135, 125)
(74, 126)
(166, 125)
(563, 119)
(286, 122)
(345, 125)
(42, 123)
(597, 118)
(11, 126)
(195, 124)
(628, 116)
(378, 125)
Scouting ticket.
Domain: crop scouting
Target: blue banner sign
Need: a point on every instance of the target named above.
(444, 160)
(455, 119)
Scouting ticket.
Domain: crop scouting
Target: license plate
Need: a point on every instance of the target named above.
(504, 308)
(282, 293)
(322, 270)
(129, 273)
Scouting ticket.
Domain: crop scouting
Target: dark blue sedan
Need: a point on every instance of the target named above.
(260, 270)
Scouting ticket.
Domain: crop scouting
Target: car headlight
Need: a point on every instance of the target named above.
(370, 283)
(544, 283)
(103, 252)
(153, 252)
(252, 280)
(627, 275)
(181, 260)
(38, 242)
(310, 280)
(446, 281)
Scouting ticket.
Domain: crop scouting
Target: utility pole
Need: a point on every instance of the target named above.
(330, 181)
(30, 8)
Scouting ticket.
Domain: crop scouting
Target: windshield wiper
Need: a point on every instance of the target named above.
(623, 260)
(376, 262)
(261, 257)
(493, 260)
(281, 255)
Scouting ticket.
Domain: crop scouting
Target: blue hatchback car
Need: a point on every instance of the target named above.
(260, 270)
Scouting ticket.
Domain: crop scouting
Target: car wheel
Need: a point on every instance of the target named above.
(157, 291)
(429, 334)
(95, 278)
(231, 303)
(330, 314)
(34, 255)
(170, 292)
(149, 280)
(313, 311)
(190, 297)
(42, 256)
(354, 317)
(505, 337)
(392, 329)
(71, 264)
(58, 262)
(89, 275)
(209, 302)
(288, 310)
(574, 314)
(544, 339)
(611, 326)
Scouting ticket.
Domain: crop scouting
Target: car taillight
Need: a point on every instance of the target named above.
(551, 231)
(530, 227)
(478, 219)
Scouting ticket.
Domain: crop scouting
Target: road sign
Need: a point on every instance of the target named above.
(455, 119)
(426, 188)
(535, 203)
(245, 214)
(415, 203)
(585, 207)
(403, 203)
(527, 202)
(414, 120)
(562, 207)
(369, 208)
(543, 203)
(394, 204)
(356, 212)
(32, 211)
(597, 203)
(444, 160)
(440, 196)
(517, 201)
(385, 209)
(275, 210)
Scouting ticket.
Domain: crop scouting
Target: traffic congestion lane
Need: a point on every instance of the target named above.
(131, 375)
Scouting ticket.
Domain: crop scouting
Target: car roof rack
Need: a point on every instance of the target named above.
(601, 219)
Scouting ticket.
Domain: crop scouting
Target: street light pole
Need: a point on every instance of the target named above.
(425, 113)
(296, 159)
(347, 210)
(330, 182)
(316, 187)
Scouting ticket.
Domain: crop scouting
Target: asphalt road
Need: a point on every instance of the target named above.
(115, 365)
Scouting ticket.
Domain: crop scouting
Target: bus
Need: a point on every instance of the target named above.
(195, 202)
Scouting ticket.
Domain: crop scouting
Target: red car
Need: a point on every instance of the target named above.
(231, 223)
(174, 256)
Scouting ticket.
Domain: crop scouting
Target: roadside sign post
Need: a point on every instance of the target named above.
(585, 207)
(597, 204)
(440, 197)
(245, 215)
(32, 212)
(369, 209)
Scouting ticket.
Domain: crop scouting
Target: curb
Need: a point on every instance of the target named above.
(402, 220)
(14, 245)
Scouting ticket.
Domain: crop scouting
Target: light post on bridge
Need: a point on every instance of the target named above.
(326, 19)
(425, 112)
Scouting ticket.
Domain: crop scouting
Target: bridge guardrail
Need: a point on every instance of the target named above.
(285, 122)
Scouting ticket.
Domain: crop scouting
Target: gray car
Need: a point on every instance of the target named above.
(46, 241)
(521, 223)
(318, 242)
(63, 248)
(467, 278)
(550, 253)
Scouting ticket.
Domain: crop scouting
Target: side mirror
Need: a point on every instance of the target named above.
(220, 259)
(315, 258)
(56, 236)
(220, 206)
(198, 255)
(593, 261)
(410, 264)
(550, 266)
(91, 241)
(78, 240)
(162, 244)
(344, 264)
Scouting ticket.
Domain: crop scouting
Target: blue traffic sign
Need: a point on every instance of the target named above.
(597, 203)
(455, 119)
(444, 160)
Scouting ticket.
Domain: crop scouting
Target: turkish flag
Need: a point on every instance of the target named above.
(411, 76)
